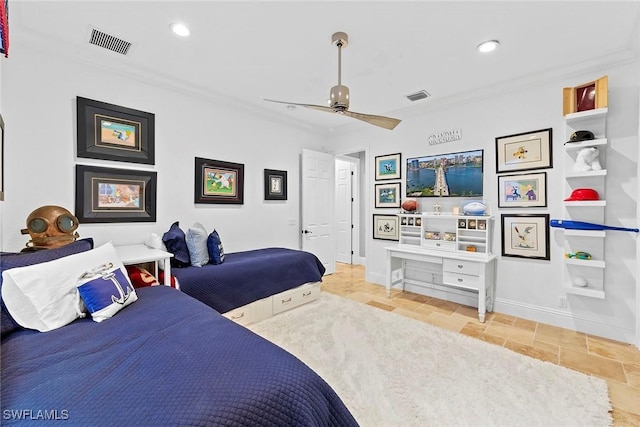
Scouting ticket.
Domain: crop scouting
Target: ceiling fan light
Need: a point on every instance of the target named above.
(488, 46)
(339, 97)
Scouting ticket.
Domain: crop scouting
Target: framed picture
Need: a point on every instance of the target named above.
(275, 184)
(1, 159)
(522, 191)
(388, 195)
(115, 195)
(525, 236)
(218, 182)
(524, 151)
(585, 97)
(388, 166)
(385, 227)
(110, 132)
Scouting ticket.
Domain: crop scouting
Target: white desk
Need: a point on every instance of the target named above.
(470, 272)
(138, 254)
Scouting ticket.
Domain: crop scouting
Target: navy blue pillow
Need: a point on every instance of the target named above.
(214, 246)
(176, 243)
(22, 259)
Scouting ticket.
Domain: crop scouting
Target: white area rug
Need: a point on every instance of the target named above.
(391, 370)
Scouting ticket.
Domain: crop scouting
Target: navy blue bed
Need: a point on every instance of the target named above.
(165, 360)
(248, 276)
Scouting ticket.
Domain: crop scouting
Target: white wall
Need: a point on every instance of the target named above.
(530, 288)
(39, 95)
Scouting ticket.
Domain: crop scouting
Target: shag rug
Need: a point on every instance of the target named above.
(391, 370)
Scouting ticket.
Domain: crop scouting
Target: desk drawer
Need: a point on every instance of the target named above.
(461, 280)
(241, 315)
(459, 266)
(439, 244)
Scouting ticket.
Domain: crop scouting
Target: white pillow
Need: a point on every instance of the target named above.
(196, 237)
(44, 296)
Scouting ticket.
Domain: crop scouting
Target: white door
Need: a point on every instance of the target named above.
(317, 207)
(344, 211)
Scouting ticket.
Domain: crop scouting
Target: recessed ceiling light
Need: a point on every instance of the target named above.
(180, 29)
(488, 46)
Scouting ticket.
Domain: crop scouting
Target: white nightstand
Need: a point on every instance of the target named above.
(138, 254)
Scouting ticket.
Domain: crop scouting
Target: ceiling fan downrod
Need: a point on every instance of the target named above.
(339, 95)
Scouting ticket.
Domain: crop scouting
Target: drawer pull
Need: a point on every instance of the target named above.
(460, 266)
(438, 244)
(460, 280)
(237, 317)
(285, 301)
(306, 295)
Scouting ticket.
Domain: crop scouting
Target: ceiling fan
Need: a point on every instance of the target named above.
(339, 96)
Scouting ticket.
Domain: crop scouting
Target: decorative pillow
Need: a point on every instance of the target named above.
(140, 277)
(197, 245)
(174, 280)
(176, 243)
(44, 296)
(105, 290)
(22, 259)
(214, 245)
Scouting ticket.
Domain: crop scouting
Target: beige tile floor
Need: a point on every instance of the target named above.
(615, 362)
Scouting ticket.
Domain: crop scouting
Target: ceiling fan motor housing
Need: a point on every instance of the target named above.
(339, 98)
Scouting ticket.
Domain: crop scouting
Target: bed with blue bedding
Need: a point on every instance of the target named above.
(248, 276)
(166, 359)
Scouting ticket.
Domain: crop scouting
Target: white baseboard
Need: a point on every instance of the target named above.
(565, 319)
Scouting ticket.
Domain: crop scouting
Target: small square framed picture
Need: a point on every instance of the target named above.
(388, 167)
(385, 227)
(388, 195)
(275, 184)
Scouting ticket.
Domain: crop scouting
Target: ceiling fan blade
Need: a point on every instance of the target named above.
(315, 107)
(381, 121)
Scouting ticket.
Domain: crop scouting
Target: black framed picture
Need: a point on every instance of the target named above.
(218, 182)
(385, 227)
(109, 195)
(111, 132)
(388, 166)
(275, 184)
(524, 151)
(388, 195)
(526, 236)
(1, 159)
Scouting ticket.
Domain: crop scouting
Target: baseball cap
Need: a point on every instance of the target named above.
(583, 194)
(581, 135)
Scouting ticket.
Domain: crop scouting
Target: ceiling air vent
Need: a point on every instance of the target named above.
(423, 94)
(108, 41)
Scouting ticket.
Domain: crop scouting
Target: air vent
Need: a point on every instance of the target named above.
(423, 94)
(108, 41)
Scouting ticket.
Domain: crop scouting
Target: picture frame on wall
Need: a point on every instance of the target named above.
(275, 184)
(388, 195)
(524, 151)
(523, 190)
(111, 132)
(110, 195)
(386, 227)
(388, 166)
(525, 236)
(218, 182)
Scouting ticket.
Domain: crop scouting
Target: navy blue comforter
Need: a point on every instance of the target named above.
(245, 277)
(165, 360)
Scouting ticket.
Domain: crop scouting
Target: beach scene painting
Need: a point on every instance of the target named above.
(445, 175)
(120, 132)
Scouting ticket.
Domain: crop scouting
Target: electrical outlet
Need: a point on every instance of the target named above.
(562, 301)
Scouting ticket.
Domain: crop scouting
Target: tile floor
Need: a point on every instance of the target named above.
(617, 363)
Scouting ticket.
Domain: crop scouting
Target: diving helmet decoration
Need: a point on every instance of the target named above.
(50, 227)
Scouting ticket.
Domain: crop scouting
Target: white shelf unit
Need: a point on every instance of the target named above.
(591, 241)
(447, 232)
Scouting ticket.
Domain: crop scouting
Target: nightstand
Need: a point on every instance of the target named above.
(140, 253)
